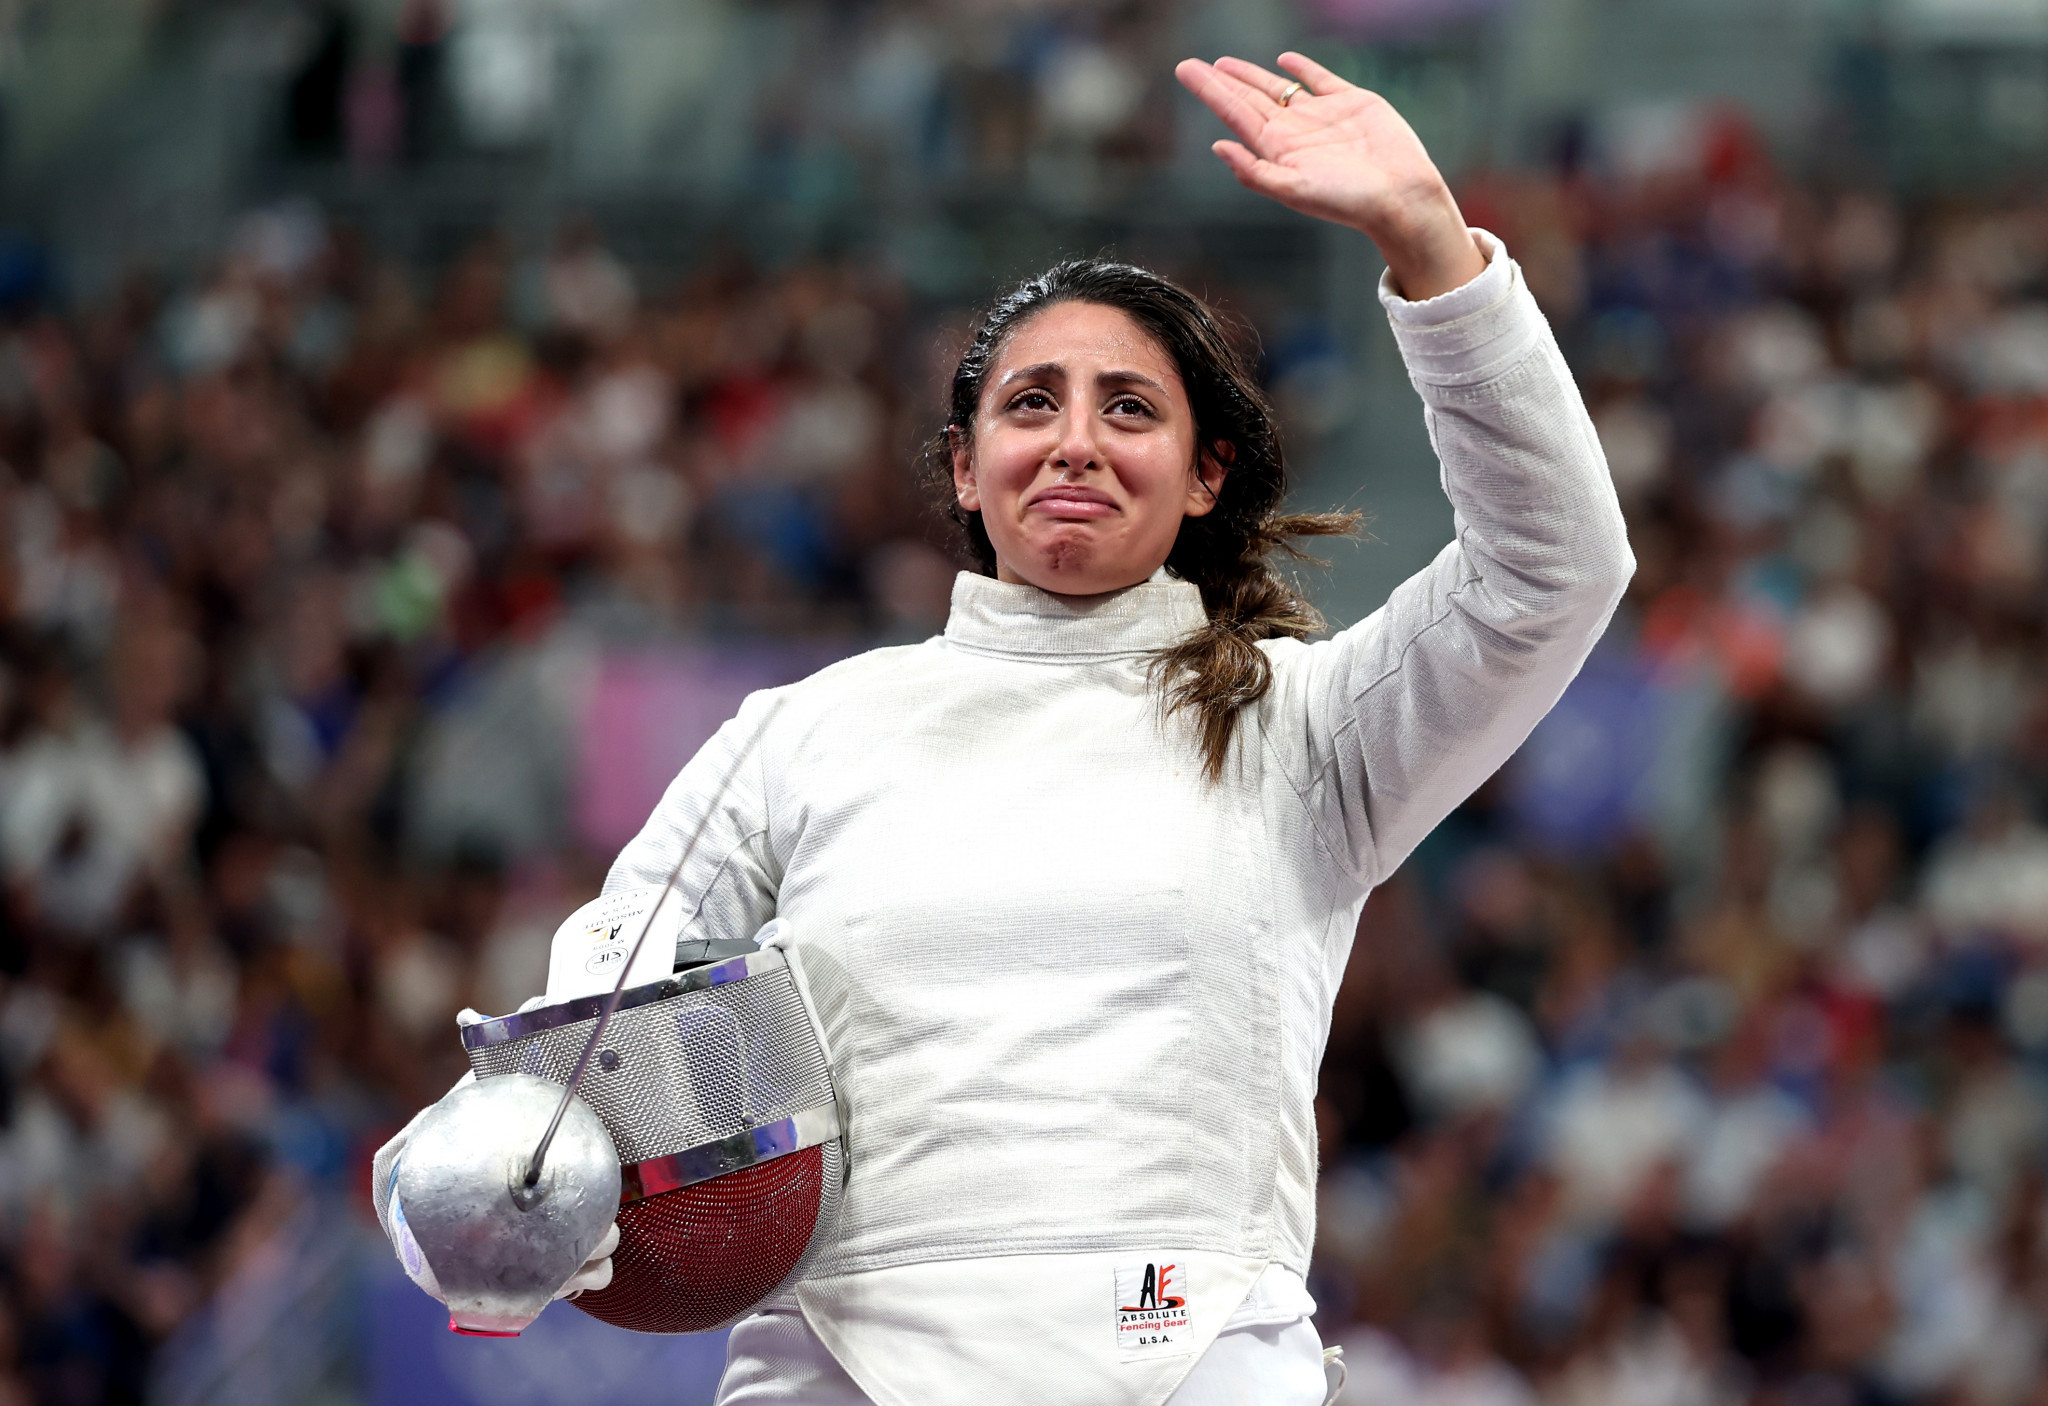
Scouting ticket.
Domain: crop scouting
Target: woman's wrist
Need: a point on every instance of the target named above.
(1429, 251)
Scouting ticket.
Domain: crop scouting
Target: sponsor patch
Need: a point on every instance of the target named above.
(1152, 1310)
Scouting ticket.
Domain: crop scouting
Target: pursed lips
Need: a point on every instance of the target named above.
(1072, 501)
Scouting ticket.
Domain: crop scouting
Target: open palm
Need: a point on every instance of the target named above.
(1338, 152)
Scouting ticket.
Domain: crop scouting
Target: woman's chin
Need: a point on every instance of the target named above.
(1073, 559)
(1067, 569)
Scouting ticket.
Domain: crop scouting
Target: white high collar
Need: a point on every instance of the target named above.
(1023, 622)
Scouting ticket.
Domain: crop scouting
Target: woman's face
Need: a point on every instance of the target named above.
(1082, 462)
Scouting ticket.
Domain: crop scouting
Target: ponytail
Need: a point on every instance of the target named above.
(1219, 670)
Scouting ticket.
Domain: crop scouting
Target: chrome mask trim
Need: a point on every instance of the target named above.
(800, 1130)
(506, 1028)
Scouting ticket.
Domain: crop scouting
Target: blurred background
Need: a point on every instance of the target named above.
(421, 421)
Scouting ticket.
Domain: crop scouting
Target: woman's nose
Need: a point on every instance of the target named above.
(1076, 449)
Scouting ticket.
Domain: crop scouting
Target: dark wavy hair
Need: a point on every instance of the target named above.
(1227, 553)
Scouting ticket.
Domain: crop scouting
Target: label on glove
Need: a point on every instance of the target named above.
(1151, 1309)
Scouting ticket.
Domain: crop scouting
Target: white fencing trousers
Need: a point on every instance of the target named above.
(774, 1359)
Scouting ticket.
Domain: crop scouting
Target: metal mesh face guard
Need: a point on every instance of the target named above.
(715, 1089)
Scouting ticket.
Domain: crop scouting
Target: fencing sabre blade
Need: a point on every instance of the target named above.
(540, 1152)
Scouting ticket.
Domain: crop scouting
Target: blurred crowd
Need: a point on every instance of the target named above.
(1703, 1056)
(257, 536)
(1698, 1059)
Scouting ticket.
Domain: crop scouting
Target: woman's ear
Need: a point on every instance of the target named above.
(1205, 487)
(964, 487)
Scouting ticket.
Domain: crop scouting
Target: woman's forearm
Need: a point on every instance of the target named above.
(1411, 709)
(1536, 507)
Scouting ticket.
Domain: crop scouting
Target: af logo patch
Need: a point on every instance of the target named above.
(1152, 1310)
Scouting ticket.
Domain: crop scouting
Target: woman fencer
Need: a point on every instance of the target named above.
(1073, 883)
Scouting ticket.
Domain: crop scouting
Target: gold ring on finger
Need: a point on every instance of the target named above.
(1289, 91)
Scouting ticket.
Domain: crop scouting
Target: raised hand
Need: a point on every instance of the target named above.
(1340, 153)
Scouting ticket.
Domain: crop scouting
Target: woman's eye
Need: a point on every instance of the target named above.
(1032, 400)
(1129, 405)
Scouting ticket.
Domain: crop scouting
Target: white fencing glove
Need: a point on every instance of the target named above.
(597, 1270)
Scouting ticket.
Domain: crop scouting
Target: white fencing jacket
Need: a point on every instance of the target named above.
(1076, 993)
